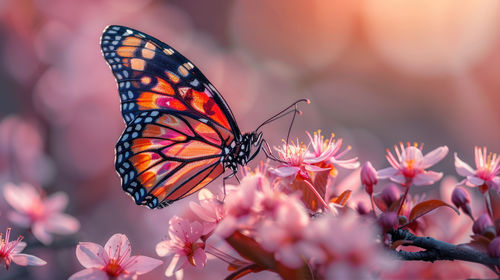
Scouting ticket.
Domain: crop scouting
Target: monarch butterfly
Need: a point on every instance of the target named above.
(180, 133)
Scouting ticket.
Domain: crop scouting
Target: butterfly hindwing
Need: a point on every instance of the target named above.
(163, 156)
(153, 76)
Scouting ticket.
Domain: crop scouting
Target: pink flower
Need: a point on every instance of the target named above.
(345, 247)
(42, 214)
(297, 161)
(328, 151)
(410, 165)
(184, 244)
(284, 235)
(111, 262)
(210, 210)
(10, 252)
(486, 173)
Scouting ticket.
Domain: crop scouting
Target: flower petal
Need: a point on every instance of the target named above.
(399, 178)
(118, 246)
(19, 219)
(25, 259)
(199, 257)
(434, 156)
(285, 171)
(62, 224)
(22, 197)
(91, 255)
(463, 169)
(177, 263)
(56, 202)
(427, 178)
(196, 230)
(163, 248)
(41, 233)
(89, 274)
(476, 181)
(19, 247)
(386, 172)
(142, 264)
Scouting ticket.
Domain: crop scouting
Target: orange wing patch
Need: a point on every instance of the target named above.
(185, 174)
(191, 149)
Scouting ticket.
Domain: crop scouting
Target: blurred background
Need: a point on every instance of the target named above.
(376, 72)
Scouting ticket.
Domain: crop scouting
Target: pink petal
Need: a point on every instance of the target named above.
(142, 264)
(195, 232)
(177, 263)
(19, 219)
(178, 228)
(89, 274)
(226, 227)
(412, 153)
(399, 178)
(19, 248)
(62, 224)
(21, 197)
(427, 178)
(91, 255)
(199, 257)
(25, 259)
(494, 183)
(201, 212)
(118, 246)
(386, 172)
(463, 169)
(476, 181)
(289, 257)
(285, 171)
(434, 156)
(163, 248)
(205, 194)
(314, 168)
(41, 233)
(56, 202)
(347, 163)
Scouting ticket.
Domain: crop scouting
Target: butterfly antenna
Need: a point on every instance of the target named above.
(284, 112)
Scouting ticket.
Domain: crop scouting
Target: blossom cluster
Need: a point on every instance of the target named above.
(294, 216)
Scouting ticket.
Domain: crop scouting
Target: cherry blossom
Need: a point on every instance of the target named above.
(328, 152)
(210, 210)
(184, 244)
(297, 161)
(43, 214)
(111, 262)
(284, 235)
(343, 247)
(410, 165)
(487, 170)
(10, 251)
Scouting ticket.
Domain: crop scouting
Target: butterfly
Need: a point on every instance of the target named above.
(180, 133)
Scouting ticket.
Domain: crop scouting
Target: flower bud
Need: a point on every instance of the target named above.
(362, 208)
(388, 221)
(482, 223)
(390, 194)
(461, 198)
(494, 248)
(368, 177)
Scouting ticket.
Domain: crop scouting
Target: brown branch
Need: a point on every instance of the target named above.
(439, 250)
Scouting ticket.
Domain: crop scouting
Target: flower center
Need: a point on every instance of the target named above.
(113, 267)
(409, 168)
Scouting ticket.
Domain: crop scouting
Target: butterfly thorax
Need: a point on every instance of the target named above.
(238, 151)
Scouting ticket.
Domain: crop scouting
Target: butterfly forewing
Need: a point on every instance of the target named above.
(163, 156)
(153, 76)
